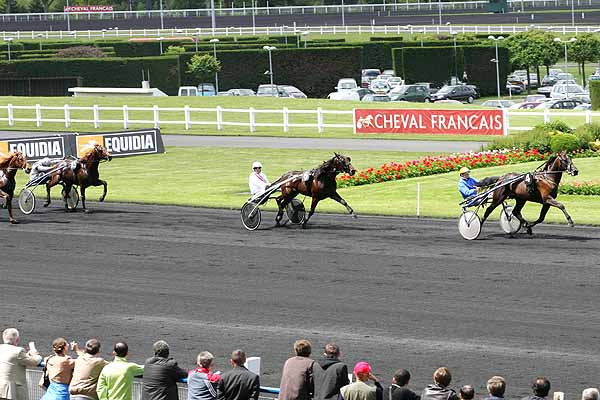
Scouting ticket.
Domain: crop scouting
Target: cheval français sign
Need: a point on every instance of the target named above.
(84, 9)
(448, 122)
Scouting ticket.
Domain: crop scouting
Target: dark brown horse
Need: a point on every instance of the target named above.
(9, 164)
(84, 175)
(543, 189)
(321, 186)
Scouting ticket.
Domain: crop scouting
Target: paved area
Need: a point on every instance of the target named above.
(398, 292)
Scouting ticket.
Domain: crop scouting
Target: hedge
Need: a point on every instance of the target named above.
(481, 71)
(101, 72)
(595, 94)
(386, 39)
(315, 71)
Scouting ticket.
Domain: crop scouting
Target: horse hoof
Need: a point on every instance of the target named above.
(46, 204)
(101, 200)
(14, 221)
(354, 216)
(529, 231)
(571, 225)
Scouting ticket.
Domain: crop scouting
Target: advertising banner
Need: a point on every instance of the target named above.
(415, 121)
(37, 148)
(124, 144)
(83, 9)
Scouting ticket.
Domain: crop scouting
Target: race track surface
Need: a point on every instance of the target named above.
(398, 292)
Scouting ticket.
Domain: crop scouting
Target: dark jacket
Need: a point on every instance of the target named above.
(330, 374)
(436, 392)
(160, 379)
(239, 384)
(395, 392)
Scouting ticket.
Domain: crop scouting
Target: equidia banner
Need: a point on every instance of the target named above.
(449, 122)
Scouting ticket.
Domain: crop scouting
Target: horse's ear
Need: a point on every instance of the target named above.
(336, 154)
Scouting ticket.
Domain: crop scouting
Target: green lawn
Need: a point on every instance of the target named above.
(217, 177)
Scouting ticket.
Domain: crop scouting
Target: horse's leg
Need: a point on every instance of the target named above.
(543, 212)
(282, 202)
(313, 205)
(53, 181)
(517, 213)
(495, 203)
(335, 196)
(104, 184)
(82, 191)
(550, 201)
(9, 207)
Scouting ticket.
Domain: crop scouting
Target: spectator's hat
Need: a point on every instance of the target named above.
(464, 170)
(362, 367)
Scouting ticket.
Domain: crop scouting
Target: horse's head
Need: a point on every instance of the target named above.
(96, 153)
(342, 164)
(566, 163)
(18, 161)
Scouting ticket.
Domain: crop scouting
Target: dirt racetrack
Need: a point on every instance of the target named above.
(397, 292)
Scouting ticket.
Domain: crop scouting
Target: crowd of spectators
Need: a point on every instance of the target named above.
(91, 377)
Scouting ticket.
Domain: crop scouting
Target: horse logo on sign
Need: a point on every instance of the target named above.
(365, 122)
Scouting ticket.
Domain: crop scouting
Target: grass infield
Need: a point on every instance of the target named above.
(218, 177)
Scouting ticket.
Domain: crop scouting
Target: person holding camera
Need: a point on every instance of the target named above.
(59, 371)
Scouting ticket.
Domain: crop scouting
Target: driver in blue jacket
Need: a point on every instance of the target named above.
(467, 185)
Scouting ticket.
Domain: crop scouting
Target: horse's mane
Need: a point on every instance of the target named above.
(549, 162)
(324, 167)
(86, 152)
(5, 159)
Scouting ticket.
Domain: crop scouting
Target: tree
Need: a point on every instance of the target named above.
(174, 50)
(203, 67)
(586, 48)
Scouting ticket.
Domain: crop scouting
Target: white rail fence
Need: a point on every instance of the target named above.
(217, 117)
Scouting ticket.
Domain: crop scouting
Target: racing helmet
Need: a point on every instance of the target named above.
(464, 170)
(256, 164)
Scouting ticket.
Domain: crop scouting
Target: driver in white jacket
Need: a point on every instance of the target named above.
(257, 180)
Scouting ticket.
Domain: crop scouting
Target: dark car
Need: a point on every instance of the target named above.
(561, 104)
(476, 89)
(549, 80)
(417, 93)
(458, 92)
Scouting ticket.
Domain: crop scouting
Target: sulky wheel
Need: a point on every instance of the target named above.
(251, 216)
(26, 201)
(72, 198)
(469, 225)
(295, 211)
(508, 222)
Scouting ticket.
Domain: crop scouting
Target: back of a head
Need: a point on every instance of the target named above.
(59, 345)
(401, 377)
(442, 377)
(332, 350)
(496, 386)
(541, 386)
(121, 349)
(467, 392)
(92, 347)
(10, 336)
(238, 357)
(590, 394)
(205, 359)
(303, 348)
(161, 349)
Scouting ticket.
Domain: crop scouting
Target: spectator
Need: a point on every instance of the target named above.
(297, 375)
(466, 392)
(360, 390)
(88, 366)
(496, 386)
(439, 389)
(541, 388)
(590, 394)
(398, 390)
(239, 383)
(116, 379)
(13, 361)
(330, 374)
(202, 382)
(59, 369)
(161, 374)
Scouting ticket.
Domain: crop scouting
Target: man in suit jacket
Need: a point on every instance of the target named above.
(161, 375)
(239, 383)
(13, 361)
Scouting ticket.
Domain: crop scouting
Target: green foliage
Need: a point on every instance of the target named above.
(386, 39)
(588, 133)
(533, 48)
(427, 64)
(529, 140)
(580, 188)
(80, 52)
(481, 72)
(563, 141)
(586, 48)
(595, 94)
(553, 126)
(203, 66)
(174, 50)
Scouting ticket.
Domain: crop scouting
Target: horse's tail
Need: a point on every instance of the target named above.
(489, 181)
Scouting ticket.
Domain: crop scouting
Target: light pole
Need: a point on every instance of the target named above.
(305, 37)
(343, 15)
(497, 61)
(40, 36)
(572, 12)
(565, 42)
(196, 39)
(454, 33)
(68, 17)
(162, 20)
(440, 10)
(160, 40)
(8, 40)
(270, 49)
(213, 19)
(214, 42)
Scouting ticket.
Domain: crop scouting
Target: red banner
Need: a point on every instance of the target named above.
(76, 9)
(448, 122)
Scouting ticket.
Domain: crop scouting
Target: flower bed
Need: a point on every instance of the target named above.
(580, 188)
(441, 164)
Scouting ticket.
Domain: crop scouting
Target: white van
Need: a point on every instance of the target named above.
(188, 91)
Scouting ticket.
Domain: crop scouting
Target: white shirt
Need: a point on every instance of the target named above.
(257, 182)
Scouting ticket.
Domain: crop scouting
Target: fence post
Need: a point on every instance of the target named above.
(320, 119)
(219, 118)
(11, 116)
(506, 121)
(285, 120)
(588, 116)
(67, 116)
(38, 115)
(546, 116)
(156, 117)
(125, 116)
(96, 117)
(186, 113)
(252, 120)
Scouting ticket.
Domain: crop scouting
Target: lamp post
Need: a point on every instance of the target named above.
(565, 42)
(454, 33)
(8, 40)
(440, 10)
(160, 40)
(213, 19)
(497, 61)
(40, 36)
(68, 17)
(162, 20)
(270, 49)
(343, 15)
(214, 42)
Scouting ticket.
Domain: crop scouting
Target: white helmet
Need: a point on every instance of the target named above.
(256, 164)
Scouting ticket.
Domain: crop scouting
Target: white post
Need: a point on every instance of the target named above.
(219, 118)
(67, 116)
(588, 116)
(546, 116)
(156, 117)
(319, 119)
(418, 199)
(125, 117)
(38, 115)
(252, 120)
(11, 116)
(285, 120)
(96, 116)
(186, 113)
(506, 121)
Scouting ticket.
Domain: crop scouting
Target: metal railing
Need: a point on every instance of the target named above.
(217, 117)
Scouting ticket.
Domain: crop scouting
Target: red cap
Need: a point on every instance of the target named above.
(362, 367)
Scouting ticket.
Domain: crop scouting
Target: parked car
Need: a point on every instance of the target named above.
(389, 72)
(187, 91)
(564, 76)
(416, 93)
(560, 91)
(346, 84)
(561, 104)
(395, 81)
(525, 105)
(476, 89)
(206, 89)
(291, 91)
(458, 92)
(384, 77)
(239, 92)
(498, 103)
(362, 92)
(376, 97)
(351, 95)
(368, 75)
(554, 71)
(545, 91)
(549, 80)
(429, 86)
(535, 98)
(379, 86)
(267, 91)
(514, 88)
(583, 107)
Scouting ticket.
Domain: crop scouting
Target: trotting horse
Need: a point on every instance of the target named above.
(544, 189)
(9, 164)
(322, 185)
(84, 175)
